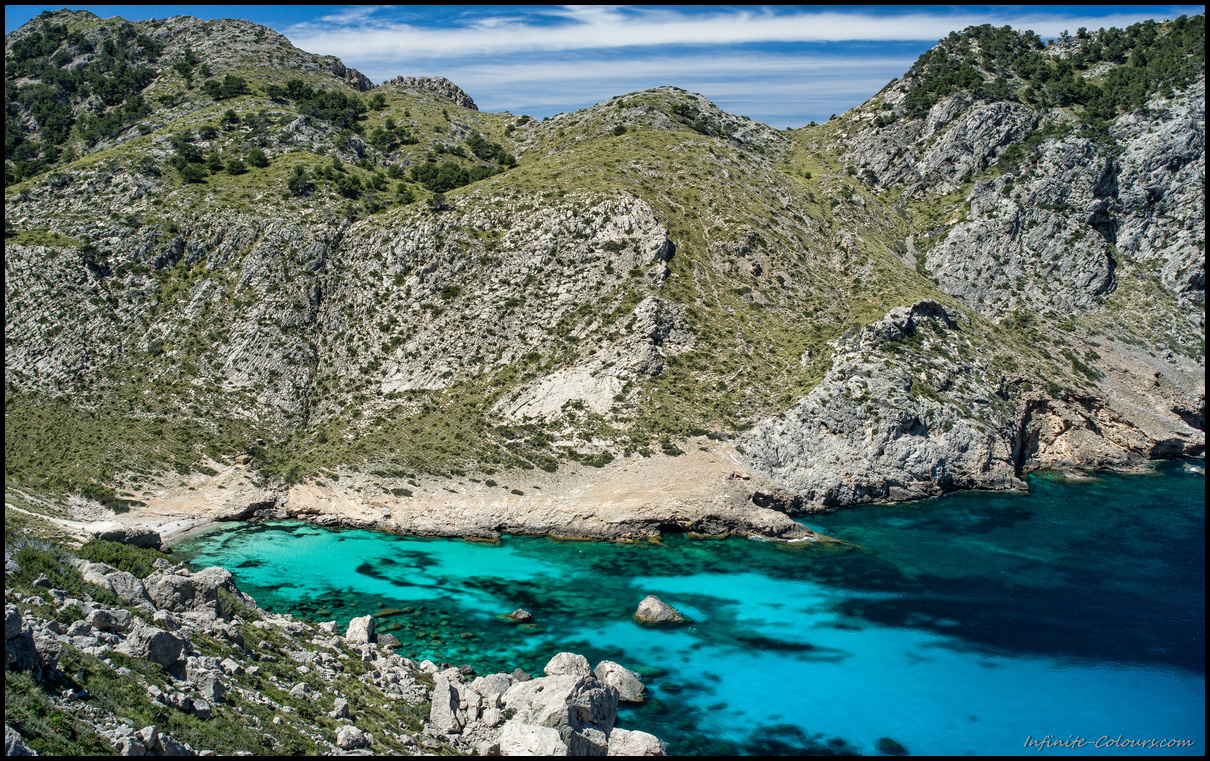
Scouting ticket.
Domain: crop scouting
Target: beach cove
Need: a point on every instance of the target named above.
(973, 623)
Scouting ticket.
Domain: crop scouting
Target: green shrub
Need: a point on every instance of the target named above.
(193, 173)
(137, 560)
(37, 559)
(257, 158)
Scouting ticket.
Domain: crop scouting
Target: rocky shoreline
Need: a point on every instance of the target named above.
(192, 649)
(706, 491)
(741, 503)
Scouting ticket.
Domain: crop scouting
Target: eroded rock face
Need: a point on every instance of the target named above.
(923, 436)
(134, 536)
(836, 447)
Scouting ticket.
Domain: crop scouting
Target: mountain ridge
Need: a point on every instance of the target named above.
(405, 291)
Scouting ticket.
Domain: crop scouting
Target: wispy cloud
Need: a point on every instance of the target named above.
(368, 35)
(784, 66)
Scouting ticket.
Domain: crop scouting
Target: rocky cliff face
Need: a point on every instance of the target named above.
(955, 282)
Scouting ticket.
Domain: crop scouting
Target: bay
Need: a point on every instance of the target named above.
(975, 623)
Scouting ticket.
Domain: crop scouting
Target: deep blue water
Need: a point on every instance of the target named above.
(966, 624)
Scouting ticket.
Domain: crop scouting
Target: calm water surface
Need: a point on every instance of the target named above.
(967, 624)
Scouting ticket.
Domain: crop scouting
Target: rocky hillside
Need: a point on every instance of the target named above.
(222, 250)
(145, 657)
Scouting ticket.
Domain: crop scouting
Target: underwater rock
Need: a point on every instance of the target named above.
(888, 747)
(654, 610)
(520, 614)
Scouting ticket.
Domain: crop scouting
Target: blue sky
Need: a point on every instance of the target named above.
(783, 65)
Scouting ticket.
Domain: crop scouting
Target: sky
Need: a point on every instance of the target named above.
(782, 65)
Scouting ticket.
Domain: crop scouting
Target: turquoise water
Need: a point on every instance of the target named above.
(966, 624)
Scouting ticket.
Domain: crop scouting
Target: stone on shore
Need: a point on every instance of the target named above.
(581, 708)
(568, 663)
(625, 742)
(630, 688)
(388, 640)
(517, 739)
(654, 610)
(360, 631)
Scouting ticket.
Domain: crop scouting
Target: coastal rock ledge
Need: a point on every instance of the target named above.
(193, 643)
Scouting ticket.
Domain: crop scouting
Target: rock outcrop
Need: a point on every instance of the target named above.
(439, 85)
(630, 688)
(568, 712)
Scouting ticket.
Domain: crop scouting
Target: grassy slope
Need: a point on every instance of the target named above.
(829, 252)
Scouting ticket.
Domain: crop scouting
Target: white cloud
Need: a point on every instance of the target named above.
(586, 28)
(564, 58)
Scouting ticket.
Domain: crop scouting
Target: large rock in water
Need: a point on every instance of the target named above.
(630, 688)
(654, 610)
(360, 631)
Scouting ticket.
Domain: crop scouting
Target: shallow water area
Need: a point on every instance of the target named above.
(967, 624)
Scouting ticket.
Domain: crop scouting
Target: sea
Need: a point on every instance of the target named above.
(1066, 621)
